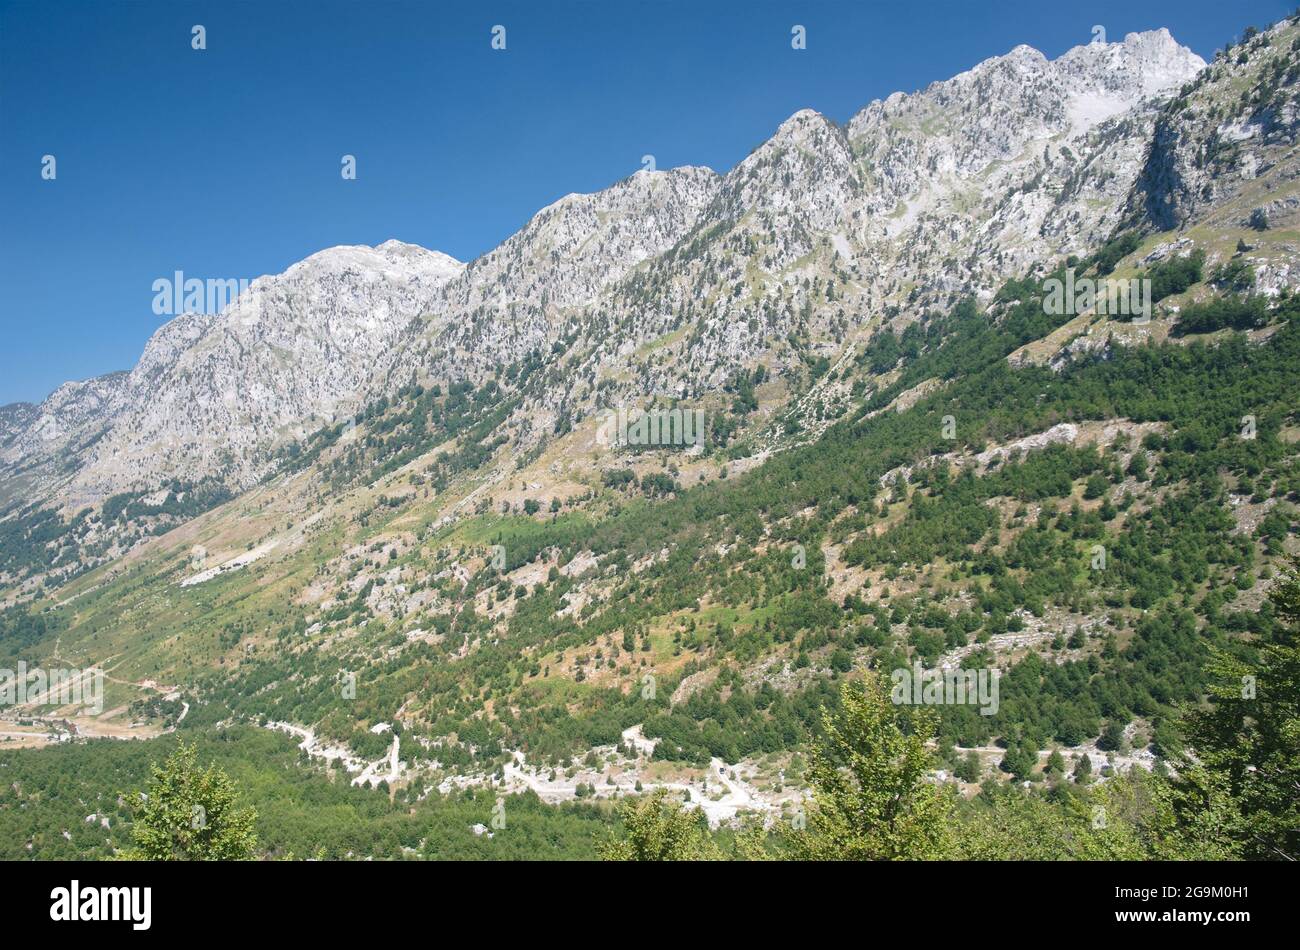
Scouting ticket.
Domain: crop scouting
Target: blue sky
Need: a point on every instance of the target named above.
(225, 162)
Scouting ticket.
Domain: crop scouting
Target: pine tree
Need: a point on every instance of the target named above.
(1055, 763)
(1083, 769)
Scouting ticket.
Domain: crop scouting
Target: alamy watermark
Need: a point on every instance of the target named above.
(651, 427)
(75, 903)
(1127, 297)
(180, 294)
(37, 686)
(952, 687)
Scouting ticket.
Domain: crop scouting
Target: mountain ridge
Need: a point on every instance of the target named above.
(215, 396)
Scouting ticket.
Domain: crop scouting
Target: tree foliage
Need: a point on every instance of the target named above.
(1243, 767)
(871, 800)
(192, 814)
(658, 828)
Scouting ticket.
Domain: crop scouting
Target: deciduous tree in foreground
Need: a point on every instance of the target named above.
(660, 829)
(871, 800)
(191, 814)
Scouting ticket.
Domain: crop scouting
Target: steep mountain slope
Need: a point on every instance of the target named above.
(212, 392)
(51, 438)
(1223, 151)
(527, 295)
(1016, 156)
(920, 198)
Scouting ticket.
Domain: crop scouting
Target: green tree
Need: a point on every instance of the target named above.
(191, 814)
(871, 800)
(1112, 738)
(1055, 763)
(1007, 823)
(659, 829)
(1244, 766)
(1096, 486)
(1083, 769)
(1020, 759)
(968, 769)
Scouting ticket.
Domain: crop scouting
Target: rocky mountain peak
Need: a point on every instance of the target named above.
(927, 193)
(1223, 150)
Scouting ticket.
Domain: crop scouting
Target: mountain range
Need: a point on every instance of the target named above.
(374, 505)
(917, 199)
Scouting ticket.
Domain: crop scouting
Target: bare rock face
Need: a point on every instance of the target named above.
(920, 199)
(1224, 147)
(823, 229)
(212, 394)
(517, 297)
(64, 424)
(15, 419)
(1015, 161)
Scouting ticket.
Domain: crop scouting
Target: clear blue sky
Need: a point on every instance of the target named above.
(225, 163)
